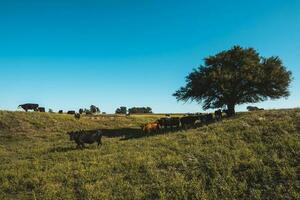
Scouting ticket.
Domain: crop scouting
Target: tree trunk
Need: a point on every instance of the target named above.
(231, 110)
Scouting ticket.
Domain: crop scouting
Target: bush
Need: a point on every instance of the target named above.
(139, 110)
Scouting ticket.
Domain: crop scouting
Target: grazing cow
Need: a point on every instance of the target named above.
(189, 121)
(151, 127)
(71, 112)
(41, 109)
(207, 118)
(169, 122)
(89, 137)
(253, 108)
(77, 116)
(88, 112)
(29, 106)
(60, 111)
(226, 111)
(218, 115)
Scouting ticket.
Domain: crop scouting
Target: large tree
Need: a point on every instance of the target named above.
(234, 77)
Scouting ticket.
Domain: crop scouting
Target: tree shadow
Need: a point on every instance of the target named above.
(137, 133)
(133, 133)
(121, 132)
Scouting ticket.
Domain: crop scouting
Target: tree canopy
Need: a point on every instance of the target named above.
(234, 77)
(139, 110)
(121, 110)
(94, 109)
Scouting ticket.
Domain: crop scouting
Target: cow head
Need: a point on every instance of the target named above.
(72, 135)
(99, 133)
(144, 127)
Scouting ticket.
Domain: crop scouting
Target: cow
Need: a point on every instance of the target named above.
(207, 118)
(41, 109)
(151, 127)
(71, 112)
(77, 116)
(29, 106)
(60, 111)
(169, 122)
(253, 108)
(189, 121)
(226, 111)
(218, 115)
(86, 137)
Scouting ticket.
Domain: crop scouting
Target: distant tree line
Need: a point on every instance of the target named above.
(121, 110)
(133, 110)
(92, 110)
(139, 110)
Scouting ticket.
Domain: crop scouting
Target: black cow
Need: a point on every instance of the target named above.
(207, 118)
(226, 111)
(71, 112)
(77, 116)
(60, 111)
(29, 106)
(41, 109)
(86, 137)
(169, 122)
(218, 115)
(189, 121)
(253, 108)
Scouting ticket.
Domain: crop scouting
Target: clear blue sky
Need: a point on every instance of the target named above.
(71, 54)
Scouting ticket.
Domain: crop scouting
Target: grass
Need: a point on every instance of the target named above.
(251, 156)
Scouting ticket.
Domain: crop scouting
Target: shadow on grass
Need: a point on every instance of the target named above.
(132, 133)
(123, 134)
(136, 133)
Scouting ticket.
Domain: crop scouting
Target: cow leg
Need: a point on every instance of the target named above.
(82, 145)
(78, 145)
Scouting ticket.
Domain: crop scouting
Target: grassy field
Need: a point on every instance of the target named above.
(251, 156)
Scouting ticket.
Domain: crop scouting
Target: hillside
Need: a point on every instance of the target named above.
(251, 156)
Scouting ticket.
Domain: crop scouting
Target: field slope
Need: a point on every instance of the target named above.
(251, 156)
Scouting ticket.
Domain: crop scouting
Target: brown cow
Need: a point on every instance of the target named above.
(151, 127)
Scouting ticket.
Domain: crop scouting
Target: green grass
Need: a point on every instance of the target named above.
(251, 156)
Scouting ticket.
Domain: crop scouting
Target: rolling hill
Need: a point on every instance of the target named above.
(251, 156)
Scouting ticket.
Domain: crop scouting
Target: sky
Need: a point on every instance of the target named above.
(110, 53)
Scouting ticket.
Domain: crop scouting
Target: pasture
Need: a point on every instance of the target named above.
(250, 156)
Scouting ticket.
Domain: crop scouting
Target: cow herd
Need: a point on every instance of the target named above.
(175, 123)
(163, 124)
